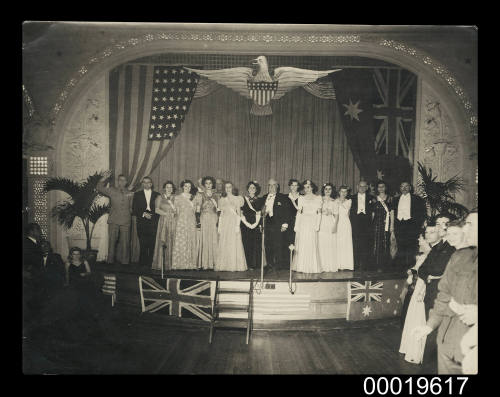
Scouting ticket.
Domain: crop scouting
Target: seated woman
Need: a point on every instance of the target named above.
(413, 312)
(77, 270)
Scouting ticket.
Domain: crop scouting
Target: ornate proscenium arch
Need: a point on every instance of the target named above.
(401, 52)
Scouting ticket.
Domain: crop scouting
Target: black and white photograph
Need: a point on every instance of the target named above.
(249, 199)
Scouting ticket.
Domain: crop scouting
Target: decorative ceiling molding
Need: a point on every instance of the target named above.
(271, 37)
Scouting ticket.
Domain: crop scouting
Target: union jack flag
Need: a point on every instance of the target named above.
(191, 295)
(369, 291)
(262, 91)
(396, 112)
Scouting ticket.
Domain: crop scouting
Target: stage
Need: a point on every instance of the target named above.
(343, 295)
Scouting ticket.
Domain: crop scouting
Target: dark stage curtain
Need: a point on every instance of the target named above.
(303, 139)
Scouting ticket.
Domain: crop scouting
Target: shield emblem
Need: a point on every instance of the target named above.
(262, 91)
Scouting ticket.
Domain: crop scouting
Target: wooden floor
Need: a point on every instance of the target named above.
(142, 344)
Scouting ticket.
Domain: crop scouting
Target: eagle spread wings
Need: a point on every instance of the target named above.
(261, 88)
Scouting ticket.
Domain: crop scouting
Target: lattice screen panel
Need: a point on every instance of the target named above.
(39, 205)
(38, 165)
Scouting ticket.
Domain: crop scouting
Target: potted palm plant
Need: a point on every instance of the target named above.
(81, 203)
(440, 196)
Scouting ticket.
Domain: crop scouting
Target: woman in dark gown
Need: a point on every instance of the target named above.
(383, 226)
(250, 225)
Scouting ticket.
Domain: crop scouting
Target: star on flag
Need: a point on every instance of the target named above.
(367, 310)
(352, 110)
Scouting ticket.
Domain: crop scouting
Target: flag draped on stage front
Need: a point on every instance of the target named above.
(370, 299)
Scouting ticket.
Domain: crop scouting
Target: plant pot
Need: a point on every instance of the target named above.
(91, 256)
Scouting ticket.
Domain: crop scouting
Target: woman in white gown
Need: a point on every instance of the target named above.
(230, 254)
(327, 239)
(411, 347)
(306, 259)
(345, 259)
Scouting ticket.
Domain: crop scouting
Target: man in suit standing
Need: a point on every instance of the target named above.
(278, 213)
(409, 215)
(361, 222)
(143, 208)
(32, 262)
(119, 218)
(52, 271)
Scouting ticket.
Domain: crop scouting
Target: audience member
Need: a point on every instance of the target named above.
(455, 308)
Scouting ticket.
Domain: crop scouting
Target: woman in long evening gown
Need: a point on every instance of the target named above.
(293, 196)
(230, 254)
(185, 254)
(206, 204)
(327, 239)
(383, 226)
(413, 310)
(165, 233)
(345, 260)
(250, 222)
(306, 258)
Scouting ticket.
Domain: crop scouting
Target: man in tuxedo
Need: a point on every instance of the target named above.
(433, 267)
(361, 222)
(409, 213)
(119, 218)
(143, 208)
(32, 262)
(52, 271)
(278, 213)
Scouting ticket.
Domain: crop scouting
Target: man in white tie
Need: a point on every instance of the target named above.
(278, 213)
(410, 216)
(361, 221)
(143, 208)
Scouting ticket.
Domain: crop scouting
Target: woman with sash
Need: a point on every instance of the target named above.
(165, 234)
(184, 255)
(230, 254)
(383, 226)
(327, 238)
(295, 188)
(251, 232)
(206, 206)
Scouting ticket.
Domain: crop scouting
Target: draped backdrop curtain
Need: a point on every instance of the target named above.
(304, 138)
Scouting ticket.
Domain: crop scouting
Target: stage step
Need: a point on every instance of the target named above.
(232, 291)
(232, 308)
(231, 323)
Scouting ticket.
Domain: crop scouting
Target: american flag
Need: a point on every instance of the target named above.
(370, 300)
(173, 90)
(262, 91)
(180, 296)
(395, 113)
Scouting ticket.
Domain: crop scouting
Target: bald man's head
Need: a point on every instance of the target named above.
(273, 186)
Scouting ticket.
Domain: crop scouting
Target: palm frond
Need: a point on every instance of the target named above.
(65, 185)
(65, 212)
(98, 210)
(456, 209)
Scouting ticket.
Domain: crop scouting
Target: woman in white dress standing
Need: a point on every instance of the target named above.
(230, 254)
(327, 235)
(411, 347)
(345, 260)
(306, 259)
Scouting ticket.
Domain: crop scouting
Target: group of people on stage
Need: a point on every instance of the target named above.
(441, 294)
(207, 226)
